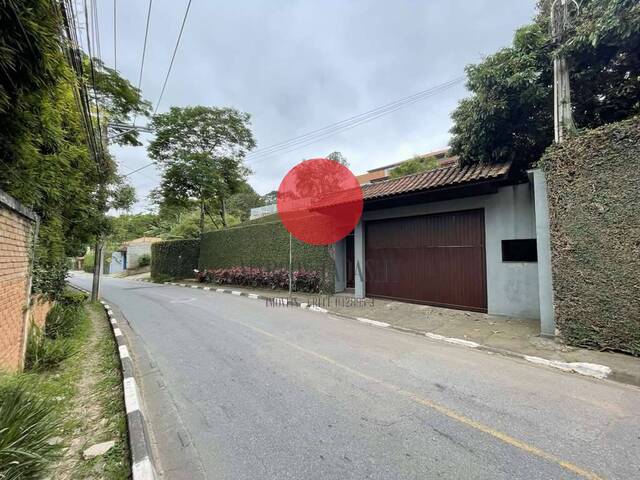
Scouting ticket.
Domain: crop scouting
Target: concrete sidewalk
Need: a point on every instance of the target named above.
(496, 334)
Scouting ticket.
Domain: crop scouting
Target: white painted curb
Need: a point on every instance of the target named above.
(589, 369)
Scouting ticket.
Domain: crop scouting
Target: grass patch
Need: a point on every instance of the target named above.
(69, 399)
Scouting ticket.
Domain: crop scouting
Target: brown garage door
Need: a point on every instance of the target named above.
(434, 259)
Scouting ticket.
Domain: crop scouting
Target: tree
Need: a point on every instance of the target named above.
(509, 115)
(46, 163)
(416, 165)
(241, 203)
(338, 157)
(201, 151)
(270, 198)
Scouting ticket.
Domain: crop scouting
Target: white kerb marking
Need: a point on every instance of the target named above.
(194, 286)
(117, 332)
(220, 290)
(589, 369)
(235, 292)
(142, 470)
(124, 351)
(456, 341)
(206, 288)
(253, 295)
(131, 395)
(373, 322)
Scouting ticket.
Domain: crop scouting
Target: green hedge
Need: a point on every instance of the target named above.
(264, 244)
(174, 259)
(594, 188)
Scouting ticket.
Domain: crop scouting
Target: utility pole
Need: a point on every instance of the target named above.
(290, 262)
(562, 115)
(97, 269)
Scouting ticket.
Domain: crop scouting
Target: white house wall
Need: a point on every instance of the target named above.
(512, 287)
(135, 251)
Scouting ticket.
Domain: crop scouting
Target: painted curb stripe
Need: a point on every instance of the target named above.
(373, 322)
(142, 470)
(117, 332)
(131, 395)
(124, 351)
(253, 295)
(457, 341)
(235, 292)
(206, 288)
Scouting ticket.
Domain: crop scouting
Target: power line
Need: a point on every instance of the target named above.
(144, 46)
(305, 136)
(173, 57)
(314, 136)
(93, 82)
(115, 35)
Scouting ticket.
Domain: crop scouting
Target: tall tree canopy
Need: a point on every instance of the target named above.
(44, 159)
(201, 152)
(509, 115)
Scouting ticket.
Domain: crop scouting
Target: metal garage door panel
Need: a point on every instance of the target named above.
(434, 259)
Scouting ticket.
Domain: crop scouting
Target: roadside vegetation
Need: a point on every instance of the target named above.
(68, 398)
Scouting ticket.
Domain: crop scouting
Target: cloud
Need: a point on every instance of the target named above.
(298, 66)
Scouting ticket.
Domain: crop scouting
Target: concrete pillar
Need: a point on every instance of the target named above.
(358, 240)
(340, 261)
(545, 278)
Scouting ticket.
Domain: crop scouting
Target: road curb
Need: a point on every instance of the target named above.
(142, 467)
(581, 368)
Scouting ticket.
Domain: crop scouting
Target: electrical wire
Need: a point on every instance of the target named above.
(173, 57)
(387, 108)
(115, 35)
(144, 51)
(319, 134)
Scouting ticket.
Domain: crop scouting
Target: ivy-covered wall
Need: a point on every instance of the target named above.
(264, 243)
(594, 202)
(174, 259)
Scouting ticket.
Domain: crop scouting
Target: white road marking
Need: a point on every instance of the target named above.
(130, 395)
(124, 351)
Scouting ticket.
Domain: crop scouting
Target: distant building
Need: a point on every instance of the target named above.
(382, 173)
(127, 257)
(263, 211)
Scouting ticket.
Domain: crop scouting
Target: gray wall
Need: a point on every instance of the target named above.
(512, 287)
(135, 251)
(340, 259)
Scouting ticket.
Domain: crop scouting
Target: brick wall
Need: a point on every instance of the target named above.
(39, 309)
(16, 230)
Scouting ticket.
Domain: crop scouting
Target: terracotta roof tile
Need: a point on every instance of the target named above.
(437, 178)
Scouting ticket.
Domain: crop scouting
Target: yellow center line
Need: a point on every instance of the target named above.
(509, 440)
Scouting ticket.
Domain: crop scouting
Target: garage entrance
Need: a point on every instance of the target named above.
(433, 259)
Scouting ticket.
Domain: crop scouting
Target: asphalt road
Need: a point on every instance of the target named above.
(238, 390)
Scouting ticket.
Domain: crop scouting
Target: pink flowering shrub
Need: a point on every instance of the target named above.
(303, 280)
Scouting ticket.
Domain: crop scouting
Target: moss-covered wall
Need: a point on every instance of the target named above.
(264, 243)
(174, 259)
(594, 202)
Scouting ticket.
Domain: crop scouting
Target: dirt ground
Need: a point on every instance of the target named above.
(97, 411)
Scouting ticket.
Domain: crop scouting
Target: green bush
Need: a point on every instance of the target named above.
(44, 353)
(49, 278)
(174, 259)
(593, 183)
(89, 262)
(66, 315)
(144, 260)
(27, 423)
(265, 244)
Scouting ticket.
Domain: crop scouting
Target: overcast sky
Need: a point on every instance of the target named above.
(297, 66)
